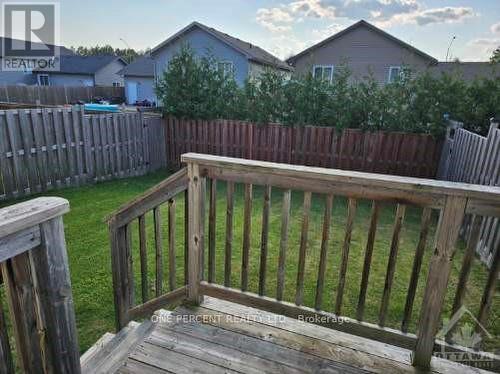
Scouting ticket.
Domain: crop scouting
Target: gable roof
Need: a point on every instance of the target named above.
(62, 50)
(87, 65)
(358, 24)
(252, 52)
(142, 66)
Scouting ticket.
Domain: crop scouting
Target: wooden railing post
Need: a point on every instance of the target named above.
(38, 287)
(196, 194)
(449, 227)
(50, 263)
(121, 266)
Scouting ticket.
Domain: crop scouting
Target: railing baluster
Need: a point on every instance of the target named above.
(171, 244)
(247, 229)
(417, 264)
(324, 250)
(212, 220)
(158, 251)
(186, 237)
(229, 234)
(368, 259)
(263, 240)
(467, 262)
(143, 257)
(489, 290)
(299, 296)
(351, 212)
(437, 279)
(285, 220)
(391, 265)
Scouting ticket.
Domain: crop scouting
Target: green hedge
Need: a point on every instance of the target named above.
(193, 87)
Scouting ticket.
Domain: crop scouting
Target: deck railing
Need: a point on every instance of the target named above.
(451, 201)
(37, 284)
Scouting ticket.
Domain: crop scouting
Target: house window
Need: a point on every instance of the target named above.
(324, 72)
(225, 67)
(43, 80)
(394, 74)
(116, 84)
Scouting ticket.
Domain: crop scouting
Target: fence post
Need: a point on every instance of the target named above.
(450, 221)
(196, 194)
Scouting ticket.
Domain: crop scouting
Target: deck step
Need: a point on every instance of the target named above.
(109, 353)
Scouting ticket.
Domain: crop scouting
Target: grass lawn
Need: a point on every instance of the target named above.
(88, 246)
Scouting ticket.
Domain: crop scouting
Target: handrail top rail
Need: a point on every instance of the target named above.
(30, 213)
(156, 195)
(415, 185)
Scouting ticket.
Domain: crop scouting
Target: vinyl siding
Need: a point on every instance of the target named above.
(70, 79)
(365, 51)
(145, 88)
(202, 43)
(108, 74)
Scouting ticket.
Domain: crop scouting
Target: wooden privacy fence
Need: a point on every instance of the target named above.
(472, 158)
(41, 149)
(57, 95)
(380, 152)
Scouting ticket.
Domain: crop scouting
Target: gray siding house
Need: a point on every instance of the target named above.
(84, 71)
(138, 77)
(366, 48)
(244, 59)
(23, 77)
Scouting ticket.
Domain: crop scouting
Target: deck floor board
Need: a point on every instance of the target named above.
(224, 337)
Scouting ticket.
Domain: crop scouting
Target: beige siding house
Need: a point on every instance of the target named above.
(366, 48)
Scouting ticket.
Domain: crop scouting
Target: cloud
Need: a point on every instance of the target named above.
(285, 46)
(320, 34)
(495, 28)
(384, 13)
(443, 15)
(274, 19)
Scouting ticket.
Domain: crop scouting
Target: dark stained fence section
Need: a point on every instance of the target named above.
(405, 154)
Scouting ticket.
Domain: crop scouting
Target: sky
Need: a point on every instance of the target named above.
(286, 27)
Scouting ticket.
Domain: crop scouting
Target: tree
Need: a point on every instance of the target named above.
(495, 57)
(195, 87)
(128, 54)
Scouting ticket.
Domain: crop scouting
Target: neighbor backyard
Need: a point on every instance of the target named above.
(89, 254)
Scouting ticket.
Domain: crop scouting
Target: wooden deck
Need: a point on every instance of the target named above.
(224, 337)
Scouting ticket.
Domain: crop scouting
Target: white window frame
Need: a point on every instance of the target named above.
(391, 68)
(224, 64)
(323, 67)
(117, 84)
(43, 75)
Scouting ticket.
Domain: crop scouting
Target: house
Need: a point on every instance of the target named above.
(84, 71)
(23, 77)
(368, 49)
(138, 79)
(242, 58)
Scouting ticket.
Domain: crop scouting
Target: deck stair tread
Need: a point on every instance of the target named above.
(112, 351)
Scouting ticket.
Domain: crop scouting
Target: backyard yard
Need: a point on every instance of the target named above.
(89, 254)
